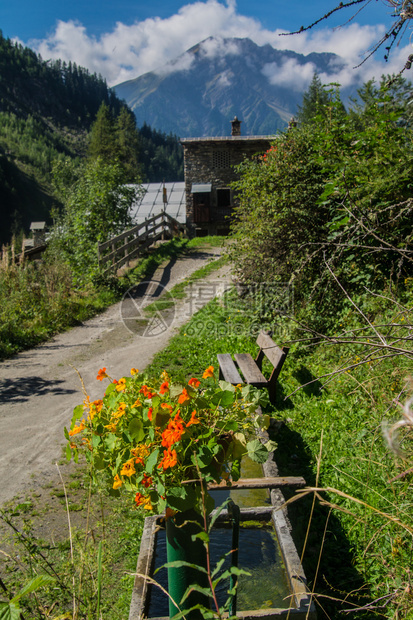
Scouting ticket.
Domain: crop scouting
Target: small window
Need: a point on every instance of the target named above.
(221, 159)
(223, 198)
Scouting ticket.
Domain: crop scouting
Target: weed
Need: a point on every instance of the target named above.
(39, 301)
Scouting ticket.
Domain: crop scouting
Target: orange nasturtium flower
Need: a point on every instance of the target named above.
(128, 468)
(95, 408)
(194, 382)
(164, 388)
(173, 431)
(147, 480)
(101, 374)
(184, 397)
(167, 406)
(134, 371)
(150, 412)
(193, 419)
(77, 429)
(170, 458)
(141, 500)
(146, 392)
(209, 372)
(137, 403)
(117, 482)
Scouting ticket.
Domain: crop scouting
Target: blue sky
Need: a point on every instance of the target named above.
(122, 39)
(31, 19)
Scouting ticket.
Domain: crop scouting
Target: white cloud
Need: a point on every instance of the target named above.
(290, 74)
(225, 79)
(211, 48)
(129, 51)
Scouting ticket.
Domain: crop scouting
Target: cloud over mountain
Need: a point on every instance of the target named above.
(198, 93)
(131, 50)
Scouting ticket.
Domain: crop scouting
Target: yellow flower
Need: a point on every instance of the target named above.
(142, 500)
(117, 482)
(140, 452)
(112, 426)
(134, 371)
(121, 410)
(121, 385)
(165, 376)
(128, 468)
(137, 403)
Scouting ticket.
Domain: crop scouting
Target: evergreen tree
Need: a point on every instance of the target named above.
(127, 144)
(102, 142)
(314, 101)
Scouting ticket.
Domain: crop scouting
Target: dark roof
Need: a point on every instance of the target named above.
(229, 139)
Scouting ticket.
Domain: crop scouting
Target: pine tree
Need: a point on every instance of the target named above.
(102, 136)
(314, 101)
(127, 144)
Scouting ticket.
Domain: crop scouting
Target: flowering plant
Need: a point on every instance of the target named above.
(154, 438)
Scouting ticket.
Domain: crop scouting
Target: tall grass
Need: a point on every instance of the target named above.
(354, 522)
(39, 300)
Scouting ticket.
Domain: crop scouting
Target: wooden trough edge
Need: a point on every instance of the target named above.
(272, 482)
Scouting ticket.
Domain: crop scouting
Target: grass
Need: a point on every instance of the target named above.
(71, 556)
(357, 541)
(39, 301)
(355, 530)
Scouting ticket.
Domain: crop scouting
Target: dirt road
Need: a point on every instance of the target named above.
(39, 388)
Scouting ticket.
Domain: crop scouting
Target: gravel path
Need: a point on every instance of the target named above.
(40, 387)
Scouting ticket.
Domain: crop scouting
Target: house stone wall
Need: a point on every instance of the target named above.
(212, 160)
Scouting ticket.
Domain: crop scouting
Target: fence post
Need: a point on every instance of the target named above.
(163, 225)
(113, 246)
(125, 251)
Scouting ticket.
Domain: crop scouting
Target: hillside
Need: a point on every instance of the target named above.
(198, 93)
(46, 111)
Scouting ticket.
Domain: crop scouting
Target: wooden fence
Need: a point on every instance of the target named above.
(121, 249)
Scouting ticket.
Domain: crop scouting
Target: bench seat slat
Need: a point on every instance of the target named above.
(228, 370)
(249, 369)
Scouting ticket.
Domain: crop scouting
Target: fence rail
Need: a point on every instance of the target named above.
(120, 250)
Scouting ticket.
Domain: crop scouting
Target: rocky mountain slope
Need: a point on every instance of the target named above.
(198, 93)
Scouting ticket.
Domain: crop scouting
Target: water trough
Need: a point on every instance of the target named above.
(277, 586)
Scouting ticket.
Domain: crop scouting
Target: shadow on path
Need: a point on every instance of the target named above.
(23, 388)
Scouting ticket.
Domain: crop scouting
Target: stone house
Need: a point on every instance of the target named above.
(209, 171)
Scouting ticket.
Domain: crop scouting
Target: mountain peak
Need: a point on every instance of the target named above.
(197, 93)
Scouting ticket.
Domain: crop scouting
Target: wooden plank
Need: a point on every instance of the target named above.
(130, 232)
(258, 513)
(138, 242)
(228, 370)
(127, 233)
(273, 352)
(130, 256)
(250, 370)
(296, 482)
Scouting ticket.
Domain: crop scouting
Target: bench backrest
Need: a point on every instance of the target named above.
(268, 347)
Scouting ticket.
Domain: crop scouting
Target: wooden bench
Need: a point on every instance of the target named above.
(252, 369)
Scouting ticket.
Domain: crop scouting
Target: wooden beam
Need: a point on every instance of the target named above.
(261, 483)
